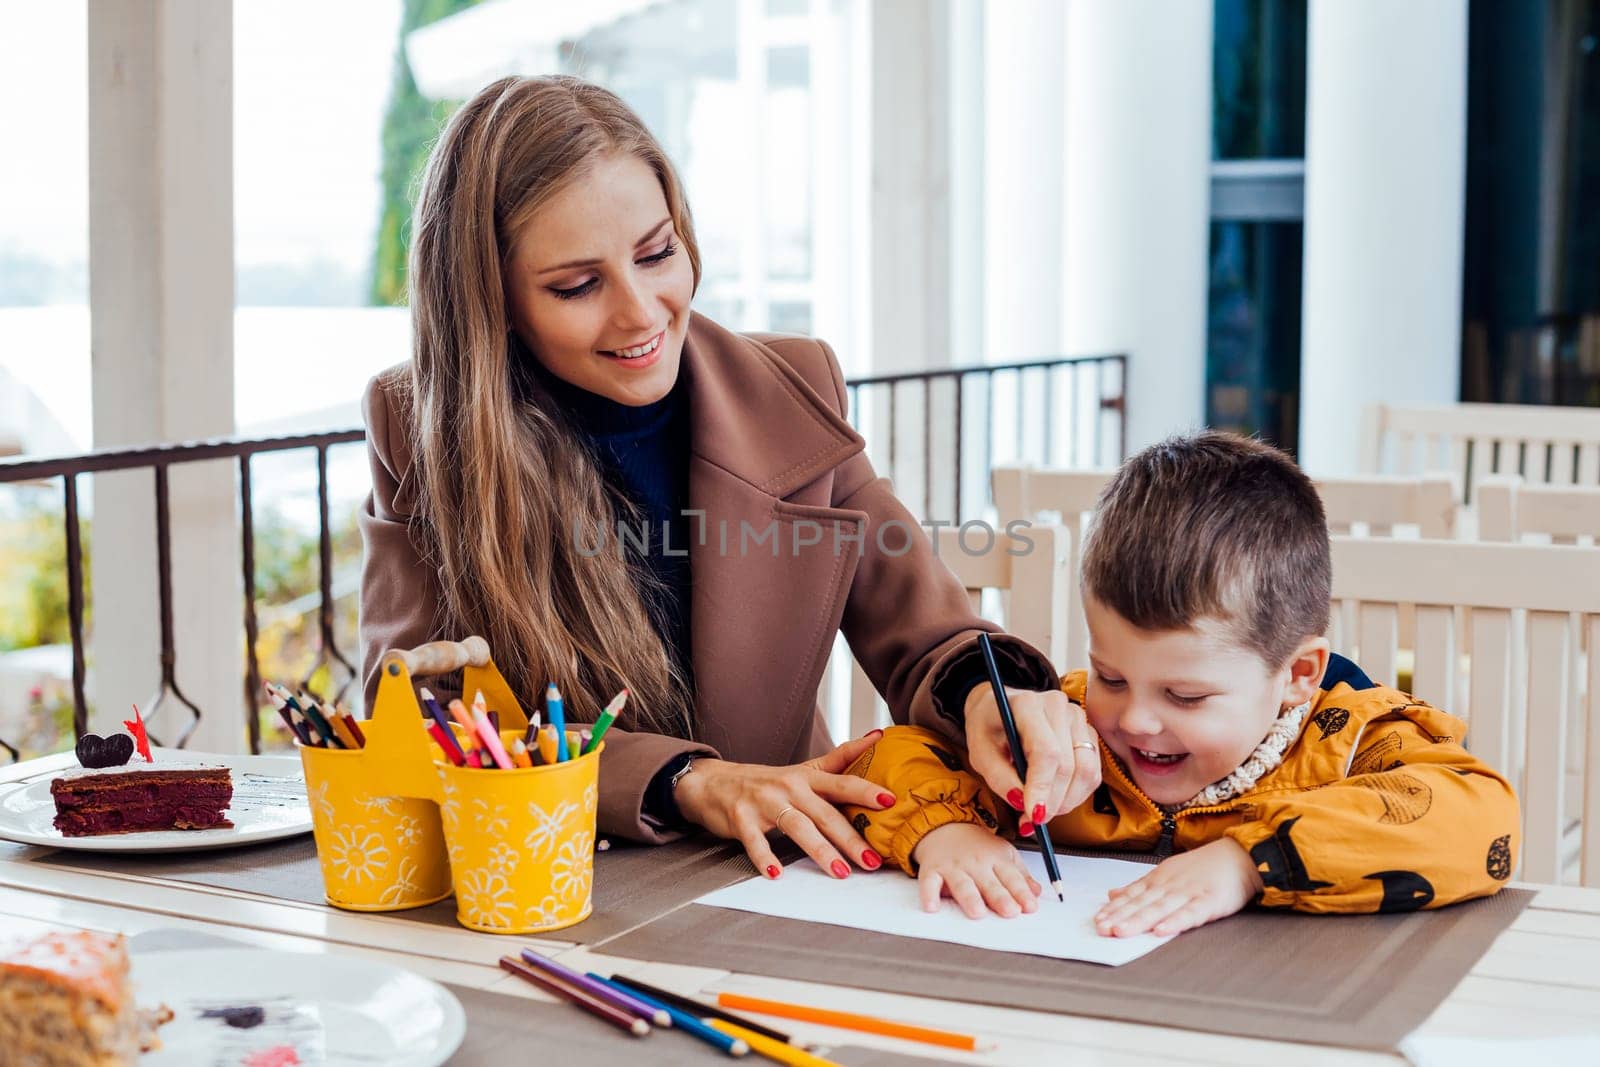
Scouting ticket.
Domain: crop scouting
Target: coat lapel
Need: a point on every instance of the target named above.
(771, 561)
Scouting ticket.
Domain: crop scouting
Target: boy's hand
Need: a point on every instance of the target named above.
(1184, 891)
(976, 869)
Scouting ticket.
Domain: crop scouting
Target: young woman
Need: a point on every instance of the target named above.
(561, 385)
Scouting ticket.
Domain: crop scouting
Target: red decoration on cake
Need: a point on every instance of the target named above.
(141, 740)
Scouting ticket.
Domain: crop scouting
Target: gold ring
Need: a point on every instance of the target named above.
(778, 822)
(1084, 744)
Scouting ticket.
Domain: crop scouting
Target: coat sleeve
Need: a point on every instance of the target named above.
(932, 787)
(907, 619)
(399, 597)
(1418, 822)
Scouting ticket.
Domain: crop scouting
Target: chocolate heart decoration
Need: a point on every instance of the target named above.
(94, 751)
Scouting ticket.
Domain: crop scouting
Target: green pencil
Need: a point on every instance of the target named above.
(603, 723)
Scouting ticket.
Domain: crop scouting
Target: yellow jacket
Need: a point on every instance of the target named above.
(1376, 806)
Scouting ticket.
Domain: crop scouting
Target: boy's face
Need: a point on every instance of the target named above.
(1180, 708)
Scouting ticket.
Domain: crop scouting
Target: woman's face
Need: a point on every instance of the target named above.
(599, 284)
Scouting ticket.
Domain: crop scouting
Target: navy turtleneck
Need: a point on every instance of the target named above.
(644, 452)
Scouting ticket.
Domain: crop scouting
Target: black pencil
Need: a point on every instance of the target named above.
(697, 1009)
(1018, 760)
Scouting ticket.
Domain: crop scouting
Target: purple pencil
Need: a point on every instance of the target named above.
(608, 993)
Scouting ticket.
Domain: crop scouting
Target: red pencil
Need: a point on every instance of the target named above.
(584, 999)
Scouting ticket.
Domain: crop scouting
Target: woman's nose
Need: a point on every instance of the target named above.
(632, 310)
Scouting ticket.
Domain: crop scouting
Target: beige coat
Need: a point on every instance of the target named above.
(769, 447)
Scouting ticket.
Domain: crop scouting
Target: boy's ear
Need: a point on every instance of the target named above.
(1306, 667)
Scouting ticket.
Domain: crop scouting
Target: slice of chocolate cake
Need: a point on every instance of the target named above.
(142, 796)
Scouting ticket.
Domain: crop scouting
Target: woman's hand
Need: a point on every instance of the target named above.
(744, 801)
(977, 869)
(1184, 891)
(1062, 750)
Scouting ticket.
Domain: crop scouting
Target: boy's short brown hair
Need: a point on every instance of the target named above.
(1213, 524)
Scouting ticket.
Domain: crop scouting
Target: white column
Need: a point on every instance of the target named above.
(1137, 219)
(1023, 105)
(161, 302)
(910, 184)
(1386, 100)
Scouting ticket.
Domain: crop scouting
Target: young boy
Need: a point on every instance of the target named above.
(1233, 744)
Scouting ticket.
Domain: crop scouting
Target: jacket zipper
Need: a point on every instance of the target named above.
(1169, 830)
(1169, 819)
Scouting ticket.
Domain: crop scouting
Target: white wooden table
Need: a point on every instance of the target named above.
(1541, 978)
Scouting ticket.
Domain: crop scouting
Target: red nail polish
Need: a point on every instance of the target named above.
(839, 869)
(773, 870)
(1025, 828)
(885, 800)
(871, 860)
(1014, 798)
(1038, 813)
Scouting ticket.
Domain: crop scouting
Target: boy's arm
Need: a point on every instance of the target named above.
(933, 787)
(1419, 822)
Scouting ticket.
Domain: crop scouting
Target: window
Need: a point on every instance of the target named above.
(1257, 196)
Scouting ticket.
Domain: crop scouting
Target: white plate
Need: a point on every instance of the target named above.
(361, 1012)
(269, 802)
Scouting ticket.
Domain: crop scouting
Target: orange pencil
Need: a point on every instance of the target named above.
(547, 743)
(519, 754)
(342, 729)
(848, 1021)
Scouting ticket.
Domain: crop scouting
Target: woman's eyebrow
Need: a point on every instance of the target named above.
(573, 264)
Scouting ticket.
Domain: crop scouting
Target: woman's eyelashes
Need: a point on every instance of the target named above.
(588, 287)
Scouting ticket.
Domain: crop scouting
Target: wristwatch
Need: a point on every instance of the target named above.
(677, 775)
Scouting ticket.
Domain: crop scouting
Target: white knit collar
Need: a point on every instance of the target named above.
(1263, 761)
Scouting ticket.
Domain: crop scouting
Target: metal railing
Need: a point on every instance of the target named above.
(1096, 384)
(159, 459)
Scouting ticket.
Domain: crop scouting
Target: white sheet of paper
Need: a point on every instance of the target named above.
(887, 901)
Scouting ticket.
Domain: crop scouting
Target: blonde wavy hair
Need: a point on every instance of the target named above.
(504, 479)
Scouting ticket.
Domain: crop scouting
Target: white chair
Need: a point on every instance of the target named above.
(1490, 680)
(1032, 569)
(1553, 445)
(1510, 509)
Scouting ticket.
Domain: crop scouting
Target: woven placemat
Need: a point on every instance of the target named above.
(1360, 981)
(632, 884)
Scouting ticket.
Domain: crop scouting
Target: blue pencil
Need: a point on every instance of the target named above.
(558, 718)
(682, 1020)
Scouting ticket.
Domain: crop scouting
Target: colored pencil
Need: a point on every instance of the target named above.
(354, 727)
(547, 744)
(530, 736)
(681, 1020)
(447, 745)
(848, 1021)
(777, 1051)
(601, 1009)
(1041, 833)
(554, 708)
(603, 723)
(318, 723)
(342, 731)
(620, 998)
(488, 735)
(298, 728)
(469, 738)
(519, 754)
(698, 1009)
(441, 723)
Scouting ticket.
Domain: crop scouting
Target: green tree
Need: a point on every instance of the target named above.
(33, 576)
(410, 126)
